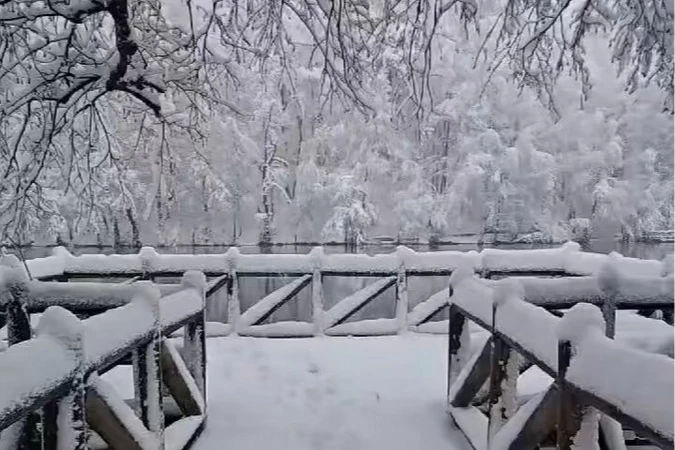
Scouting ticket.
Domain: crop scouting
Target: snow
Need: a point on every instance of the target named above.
(527, 260)
(280, 329)
(41, 294)
(302, 394)
(345, 306)
(467, 368)
(373, 327)
(262, 307)
(649, 400)
(422, 310)
(114, 329)
(581, 319)
(587, 436)
(543, 291)
(213, 329)
(474, 296)
(124, 413)
(178, 434)
(473, 423)
(22, 381)
(179, 306)
(62, 325)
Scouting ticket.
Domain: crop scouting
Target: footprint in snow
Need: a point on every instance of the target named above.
(313, 368)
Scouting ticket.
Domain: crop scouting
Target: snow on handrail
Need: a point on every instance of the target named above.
(615, 374)
(106, 337)
(567, 259)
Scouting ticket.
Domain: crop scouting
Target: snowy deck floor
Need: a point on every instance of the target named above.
(326, 393)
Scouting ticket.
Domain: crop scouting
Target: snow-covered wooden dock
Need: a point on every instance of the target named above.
(520, 362)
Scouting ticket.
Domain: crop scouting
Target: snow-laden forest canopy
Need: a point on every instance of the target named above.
(150, 121)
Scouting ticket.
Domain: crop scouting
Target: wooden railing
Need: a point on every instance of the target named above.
(53, 379)
(589, 372)
(309, 271)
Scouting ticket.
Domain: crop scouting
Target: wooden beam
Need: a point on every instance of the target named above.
(569, 408)
(535, 421)
(349, 306)
(472, 377)
(456, 324)
(179, 381)
(107, 424)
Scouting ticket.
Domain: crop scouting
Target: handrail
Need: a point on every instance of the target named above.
(565, 260)
(514, 323)
(73, 349)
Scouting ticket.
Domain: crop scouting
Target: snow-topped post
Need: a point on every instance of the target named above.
(402, 288)
(316, 256)
(577, 426)
(458, 332)
(68, 426)
(62, 254)
(233, 306)
(149, 258)
(667, 271)
(194, 337)
(146, 360)
(15, 286)
(608, 279)
(504, 363)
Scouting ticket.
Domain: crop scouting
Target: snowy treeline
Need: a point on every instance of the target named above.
(243, 121)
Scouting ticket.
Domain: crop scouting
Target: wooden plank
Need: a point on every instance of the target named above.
(569, 408)
(535, 421)
(497, 409)
(175, 380)
(472, 423)
(216, 284)
(182, 433)
(108, 425)
(472, 377)
(456, 324)
(349, 306)
(263, 309)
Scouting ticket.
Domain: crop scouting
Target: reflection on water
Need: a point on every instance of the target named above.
(253, 289)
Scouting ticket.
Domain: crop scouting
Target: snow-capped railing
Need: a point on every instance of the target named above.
(520, 329)
(57, 372)
(565, 260)
(395, 269)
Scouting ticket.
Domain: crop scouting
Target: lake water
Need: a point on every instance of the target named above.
(252, 290)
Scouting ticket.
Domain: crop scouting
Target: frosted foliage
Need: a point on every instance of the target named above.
(193, 122)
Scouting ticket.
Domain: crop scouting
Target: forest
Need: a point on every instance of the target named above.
(255, 121)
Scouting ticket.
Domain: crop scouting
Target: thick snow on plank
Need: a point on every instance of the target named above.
(48, 267)
(650, 335)
(360, 263)
(42, 294)
(30, 370)
(374, 327)
(274, 299)
(346, 306)
(527, 260)
(424, 309)
(530, 326)
(104, 264)
(112, 330)
(475, 296)
(430, 261)
(546, 291)
(280, 329)
(131, 422)
(178, 434)
(179, 306)
(431, 327)
(638, 383)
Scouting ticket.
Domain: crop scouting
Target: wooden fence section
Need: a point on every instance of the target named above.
(52, 394)
(589, 372)
(570, 274)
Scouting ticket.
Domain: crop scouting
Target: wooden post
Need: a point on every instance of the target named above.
(194, 337)
(148, 388)
(456, 327)
(66, 420)
(233, 306)
(317, 301)
(569, 409)
(402, 298)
